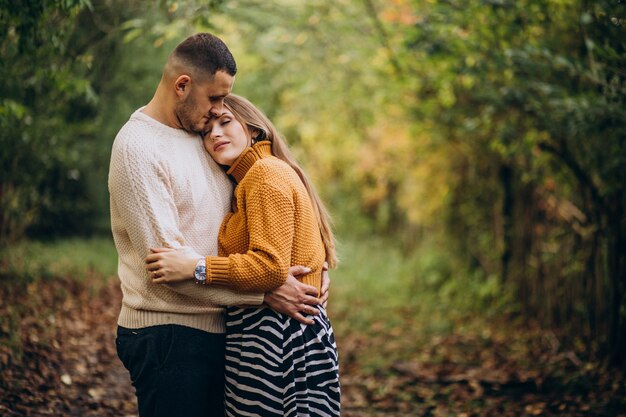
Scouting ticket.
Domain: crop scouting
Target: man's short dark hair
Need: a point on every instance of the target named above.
(205, 54)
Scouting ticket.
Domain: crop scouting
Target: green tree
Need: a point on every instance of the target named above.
(65, 67)
(43, 86)
(533, 92)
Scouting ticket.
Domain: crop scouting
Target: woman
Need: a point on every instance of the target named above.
(274, 364)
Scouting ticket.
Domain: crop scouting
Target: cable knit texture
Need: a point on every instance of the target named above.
(272, 228)
(165, 190)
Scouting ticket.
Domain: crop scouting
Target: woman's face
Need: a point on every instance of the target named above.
(225, 138)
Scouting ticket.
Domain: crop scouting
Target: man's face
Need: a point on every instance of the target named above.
(202, 100)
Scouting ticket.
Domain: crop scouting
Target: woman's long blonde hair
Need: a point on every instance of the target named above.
(256, 121)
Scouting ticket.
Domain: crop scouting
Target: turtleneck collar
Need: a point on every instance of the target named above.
(248, 157)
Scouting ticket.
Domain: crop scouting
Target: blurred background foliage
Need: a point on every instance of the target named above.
(492, 132)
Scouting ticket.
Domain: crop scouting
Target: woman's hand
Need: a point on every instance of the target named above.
(167, 265)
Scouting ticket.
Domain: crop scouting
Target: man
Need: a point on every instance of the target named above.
(166, 190)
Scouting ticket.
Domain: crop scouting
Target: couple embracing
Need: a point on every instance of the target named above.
(223, 249)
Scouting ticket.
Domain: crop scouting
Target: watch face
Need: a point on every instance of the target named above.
(200, 273)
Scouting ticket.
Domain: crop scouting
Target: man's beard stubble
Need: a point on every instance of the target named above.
(184, 112)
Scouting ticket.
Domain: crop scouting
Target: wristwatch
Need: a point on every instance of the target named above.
(200, 272)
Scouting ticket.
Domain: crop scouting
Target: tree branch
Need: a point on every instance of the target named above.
(582, 177)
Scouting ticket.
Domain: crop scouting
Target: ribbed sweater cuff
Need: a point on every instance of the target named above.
(217, 270)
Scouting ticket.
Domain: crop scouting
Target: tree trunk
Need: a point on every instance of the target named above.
(616, 268)
(506, 180)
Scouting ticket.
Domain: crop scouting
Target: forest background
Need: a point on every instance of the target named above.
(473, 155)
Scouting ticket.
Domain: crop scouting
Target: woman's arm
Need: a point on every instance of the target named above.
(264, 267)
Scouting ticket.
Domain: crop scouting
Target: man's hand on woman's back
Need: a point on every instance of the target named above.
(294, 298)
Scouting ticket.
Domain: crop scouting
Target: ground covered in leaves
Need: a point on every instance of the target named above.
(57, 357)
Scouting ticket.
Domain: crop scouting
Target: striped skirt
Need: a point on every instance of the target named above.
(276, 366)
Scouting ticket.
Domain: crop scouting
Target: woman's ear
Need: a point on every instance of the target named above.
(261, 135)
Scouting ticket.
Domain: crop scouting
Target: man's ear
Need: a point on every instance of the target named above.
(182, 85)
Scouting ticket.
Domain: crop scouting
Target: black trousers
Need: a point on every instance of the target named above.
(176, 370)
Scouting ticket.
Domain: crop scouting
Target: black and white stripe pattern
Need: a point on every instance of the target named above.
(276, 366)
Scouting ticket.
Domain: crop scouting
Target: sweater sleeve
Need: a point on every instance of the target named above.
(270, 218)
(141, 193)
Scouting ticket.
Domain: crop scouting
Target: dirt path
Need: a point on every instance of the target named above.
(67, 365)
(57, 358)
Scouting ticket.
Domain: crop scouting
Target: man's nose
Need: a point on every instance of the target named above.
(216, 109)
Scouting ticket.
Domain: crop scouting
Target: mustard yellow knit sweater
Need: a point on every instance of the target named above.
(272, 228)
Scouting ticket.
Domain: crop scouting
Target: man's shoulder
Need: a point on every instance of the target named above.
(136, 144)
(136, 138)
(135, 130)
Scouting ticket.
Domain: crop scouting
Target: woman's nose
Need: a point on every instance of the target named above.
(216, 132)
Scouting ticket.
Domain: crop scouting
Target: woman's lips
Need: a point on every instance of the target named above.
(219, 145)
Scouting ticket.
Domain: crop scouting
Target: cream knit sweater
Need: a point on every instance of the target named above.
(165, 190)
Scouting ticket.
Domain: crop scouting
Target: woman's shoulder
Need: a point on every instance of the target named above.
(273, 171)
(271, 167)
